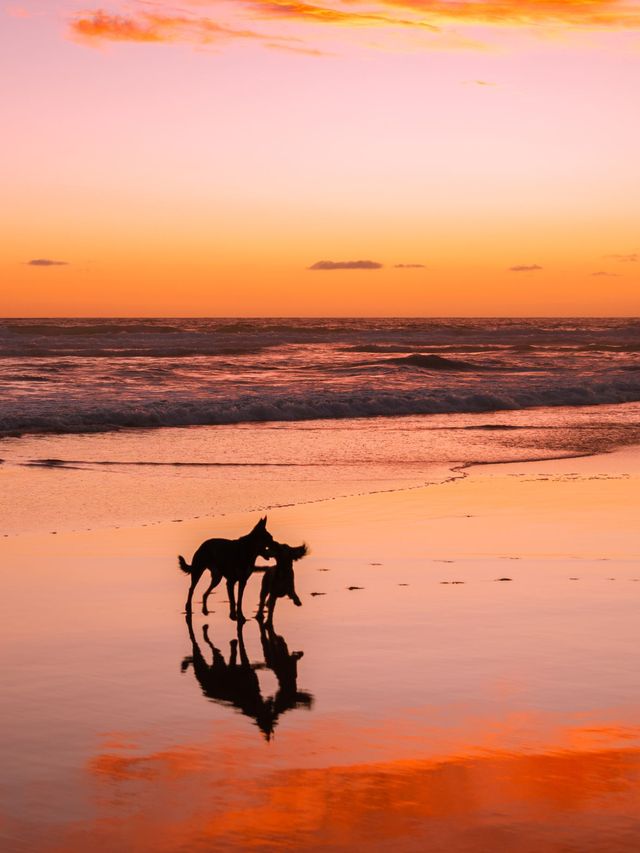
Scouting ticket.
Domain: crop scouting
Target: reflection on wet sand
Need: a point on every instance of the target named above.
(560, 798)
(235, 682)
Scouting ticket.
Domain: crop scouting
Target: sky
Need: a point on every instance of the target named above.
(341, 157)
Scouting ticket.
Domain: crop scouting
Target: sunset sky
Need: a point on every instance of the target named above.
(427, 157)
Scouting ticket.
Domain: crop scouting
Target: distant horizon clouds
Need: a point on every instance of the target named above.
(409, 267)
(346, 265)
(631, 258)
(525, 268)
(46, 262)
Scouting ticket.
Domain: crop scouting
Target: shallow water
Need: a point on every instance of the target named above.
(435, 706)
(132, 477)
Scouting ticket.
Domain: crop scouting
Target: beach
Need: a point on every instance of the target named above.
(469, 678)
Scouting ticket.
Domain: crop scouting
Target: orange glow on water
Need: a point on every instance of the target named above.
(467, 799)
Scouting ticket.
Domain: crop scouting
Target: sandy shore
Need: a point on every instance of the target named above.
(470, 677)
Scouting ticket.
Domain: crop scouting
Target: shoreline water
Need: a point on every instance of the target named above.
(173, 474)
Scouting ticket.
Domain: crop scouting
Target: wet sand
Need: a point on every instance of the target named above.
(470, 677)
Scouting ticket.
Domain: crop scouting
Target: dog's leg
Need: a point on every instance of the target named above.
(195, 577)
(241, 585)
(216, 577)
(263, 596)
(232, 601)
(272, 607)
(293, 594)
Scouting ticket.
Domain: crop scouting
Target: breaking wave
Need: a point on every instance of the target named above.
(437, 362)
(318, 405)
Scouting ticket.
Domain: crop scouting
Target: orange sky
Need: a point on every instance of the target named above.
(198, 158)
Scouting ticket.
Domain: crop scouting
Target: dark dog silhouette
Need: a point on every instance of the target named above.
(235, 682)
(233, 559)
(279, 580)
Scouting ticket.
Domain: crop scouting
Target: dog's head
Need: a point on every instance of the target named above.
(262, 536)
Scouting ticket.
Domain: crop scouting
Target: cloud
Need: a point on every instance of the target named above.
(434, 14)
(290, 48)
(606, 274)
(46, 262)
(606, 14)
(18, 12)
(100, 25)
(525, 268)
(332, 15)
(150, 27)
(163, 21)
(346, 265)
(409, 267)
(632, 258)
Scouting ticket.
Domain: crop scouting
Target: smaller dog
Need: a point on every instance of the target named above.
(279, 580)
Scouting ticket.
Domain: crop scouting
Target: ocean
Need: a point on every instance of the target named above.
(98, 375)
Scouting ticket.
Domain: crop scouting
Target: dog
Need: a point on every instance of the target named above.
(279, 580)
(232, 559)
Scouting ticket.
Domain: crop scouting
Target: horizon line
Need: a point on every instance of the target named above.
(322, 317)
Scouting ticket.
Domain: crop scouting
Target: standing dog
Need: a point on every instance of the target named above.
(233, 559)
(279, 580)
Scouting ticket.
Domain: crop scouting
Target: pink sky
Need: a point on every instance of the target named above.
(197, 158)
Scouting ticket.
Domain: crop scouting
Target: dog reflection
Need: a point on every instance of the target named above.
(284, 666)
(235, 682)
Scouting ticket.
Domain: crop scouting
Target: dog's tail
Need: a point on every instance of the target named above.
(296, 600)
(184, 566)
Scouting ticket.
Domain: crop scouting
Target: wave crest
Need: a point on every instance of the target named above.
(365, 403)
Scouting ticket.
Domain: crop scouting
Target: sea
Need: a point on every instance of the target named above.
(163, 419)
